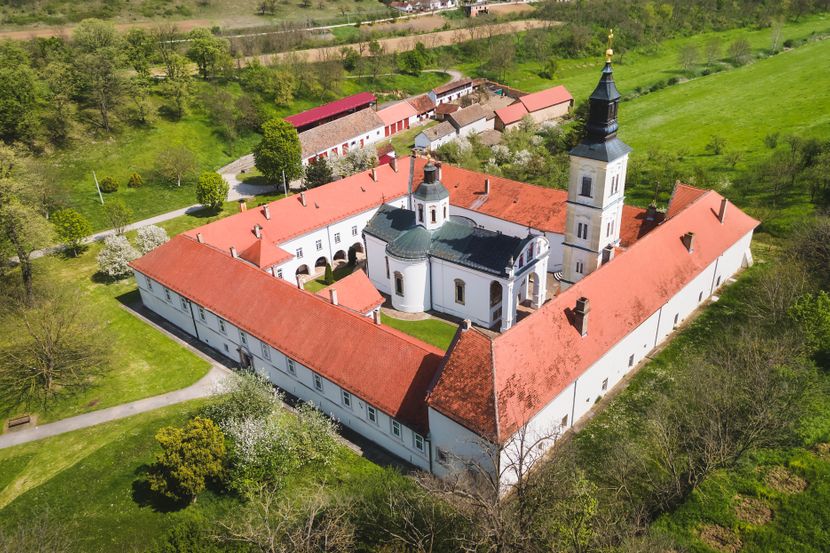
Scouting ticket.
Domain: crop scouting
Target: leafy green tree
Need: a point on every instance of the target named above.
(98, 62)
(716, 144)
(176, 163)
(740, 51)
(139, 50)
(812, 314)
(71, 228)
(211, 190)
(118, 215)
(350, 58)
(318, 173)
(278, 151)
(687, 57)
(178, 87)
(329, 275)
(550, 67)
(61, 82)
(189, 457)
(207, 51)
(411, 62)
(18, 96)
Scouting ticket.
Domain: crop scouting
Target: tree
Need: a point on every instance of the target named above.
(318, 173)
(206, 50)
(716, 144)
(176, 163)
(18, 94)
(740, 51)
(98, 62)
(108, 184)
(61, 80)
(189, 457)
(118, 215)
(211, 190)
(812, 314)
(178, 87)
(350, 58)
(713, 50)
(356, 161)
(56, 345)
(71, 228)
(114, 258)
(375, 60)
(139, 51)
(329, 274)
(278, 151)
(149, 238)
(135, 181)
(687, 57)
(411, 62)
(550, 68)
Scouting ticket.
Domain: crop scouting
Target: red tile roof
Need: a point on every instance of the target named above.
(546, 98)
(446, 108)
(379, 364)
(264, 253)
(354, 291)
(536, 359)
(511, 113)
(396, 112)
(449, 87)
(331, 109)
(422, 104)
(682, 196)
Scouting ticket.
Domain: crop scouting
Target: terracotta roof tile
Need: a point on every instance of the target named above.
(354, 291)
(337, 132)
(681, 197)
(512, 113)
(396, 112)
(449, 87)
(381, 365)
(546, 98)
(467, 116)
(331, 109)
(422, 104)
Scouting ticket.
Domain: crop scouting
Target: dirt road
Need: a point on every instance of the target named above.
(403, 44)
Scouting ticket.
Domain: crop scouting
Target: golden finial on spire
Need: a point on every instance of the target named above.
(609, 52)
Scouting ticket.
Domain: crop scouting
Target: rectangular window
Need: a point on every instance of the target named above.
(149, 283)
(226, 348)
(398, 284)
(202, 313)
(318, 382)
(580, 267)
(354, 230)
(372, 414)
(292, 369)
(266, 350)
(700, 297)
(419, 441)
(336, 237)
(459, 292)
(582, 230)
(346, 398)
(631, 360)
(441, 454)
(604, 384)
(279, 273)
(387, 266)
(222, 326)
(183, 302)
(564, 422)
(299, 253)
(609, 228)
(586, 187)
(396, 429)
(243, 337)
(319, 245)
(676, 318)
(167, 295)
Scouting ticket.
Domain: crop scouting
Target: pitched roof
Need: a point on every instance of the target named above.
(546, 98)
(496, 103)
(446, 108)
(449, 87)
(334, 133)
(379, 364)
(511, 113)
(264, 252)
(467, 116)
(681, 196)
(396, 112)
(442, 129)
(354, 291)
(537, 358)
(331, 109)
(324, 205)
(422, 104)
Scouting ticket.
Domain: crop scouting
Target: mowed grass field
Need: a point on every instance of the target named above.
(88, 483)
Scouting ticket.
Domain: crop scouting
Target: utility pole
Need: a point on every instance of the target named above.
(284, 184)
(97, 187)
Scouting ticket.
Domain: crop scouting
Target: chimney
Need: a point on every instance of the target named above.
(258, 231)
(581, 315)
(302, 198)
(487, 186)
(607, 253)
(466, 324)
(333, 296)
(266, 210)
(376, 316)
(374, 174)
(689, 241)
(300, 282)
(243, 206)
(393, 163)
(199, 238)
(722, 212)
(438, 170)
(651, 212)
(233, 252)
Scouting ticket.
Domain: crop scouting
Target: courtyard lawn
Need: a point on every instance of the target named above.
(318, 284)
(88, 482)
(145, 361)
(403, 142)
(432, 331)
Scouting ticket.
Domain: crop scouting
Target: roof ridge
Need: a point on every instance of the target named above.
(495, 392)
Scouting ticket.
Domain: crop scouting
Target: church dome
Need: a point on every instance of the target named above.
(431, 190)
(412, 244)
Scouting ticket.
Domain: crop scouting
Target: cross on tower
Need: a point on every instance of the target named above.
(609, 52)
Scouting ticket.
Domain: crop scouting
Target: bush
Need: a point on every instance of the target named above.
(71, 228)
(329, 276)
(113, 259)
(211, 190)
(108, 184)
(150, 238)
(244, 396)
(135, 181)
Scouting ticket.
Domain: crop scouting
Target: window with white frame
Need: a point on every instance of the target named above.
(222, 326)
(398, 284)
(354, 230)
(292, 368)
(266, 350)
(167, 295)
(459, 291)
(183, 302)
(299, 253)
(346, 398)
(372, 414)
(396, 429)
(319, 245)
(202, 313)
(318, 382)
(418, 441)
(336, 237)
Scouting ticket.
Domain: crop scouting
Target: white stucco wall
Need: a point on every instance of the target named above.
(453, 442)
(416, 285)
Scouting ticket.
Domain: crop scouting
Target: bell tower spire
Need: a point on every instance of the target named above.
(597, 182)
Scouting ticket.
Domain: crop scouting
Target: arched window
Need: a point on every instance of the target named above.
(495, 293)
(586, 186)
(445, 212)
(387, 266)
(433, 216)
(398, 283)
(420, 213)
(459, 291)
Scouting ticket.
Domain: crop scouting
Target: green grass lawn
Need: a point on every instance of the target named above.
(87, 482)
(432, 331)
(403, 142)
(319, 283)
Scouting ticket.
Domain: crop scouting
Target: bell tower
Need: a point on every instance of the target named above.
(596, 185)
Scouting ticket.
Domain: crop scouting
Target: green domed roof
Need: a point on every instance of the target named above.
(431, 190)
(412, 244)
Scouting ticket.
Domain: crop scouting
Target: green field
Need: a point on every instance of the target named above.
(432, 331)
(88, 482)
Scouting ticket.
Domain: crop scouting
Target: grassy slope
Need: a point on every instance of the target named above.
(105, 513)
(431, 331)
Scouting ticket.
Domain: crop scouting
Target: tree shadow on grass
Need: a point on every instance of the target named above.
(143, 496)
